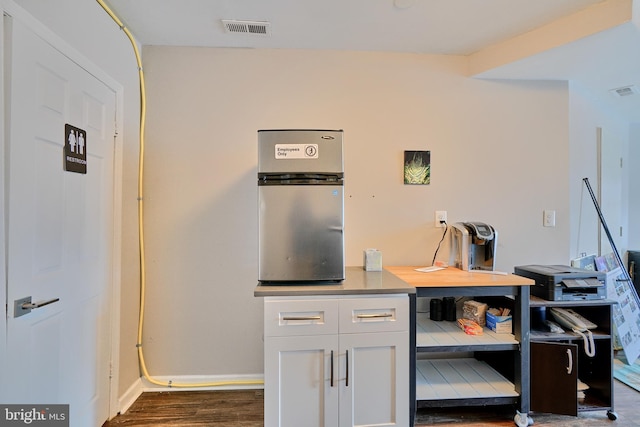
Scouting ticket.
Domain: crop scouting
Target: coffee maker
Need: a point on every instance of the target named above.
(474, 246)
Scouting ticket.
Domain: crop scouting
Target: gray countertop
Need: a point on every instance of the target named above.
(358, 281)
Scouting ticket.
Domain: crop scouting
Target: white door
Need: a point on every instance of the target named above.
(611, 190)
(374, 373)
(60, 227)
(301, 382)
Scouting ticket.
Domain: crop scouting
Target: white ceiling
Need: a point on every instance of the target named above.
(599, 62)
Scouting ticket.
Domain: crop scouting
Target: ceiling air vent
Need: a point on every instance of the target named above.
(625, 91)
(259, 28)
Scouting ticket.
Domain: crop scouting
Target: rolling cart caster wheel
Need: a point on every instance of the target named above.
(522, 420)
(612, 415)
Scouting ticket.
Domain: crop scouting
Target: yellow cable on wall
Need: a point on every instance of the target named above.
(143, 281)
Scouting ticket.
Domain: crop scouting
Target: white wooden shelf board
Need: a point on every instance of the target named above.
(467, 378)
(430, 333)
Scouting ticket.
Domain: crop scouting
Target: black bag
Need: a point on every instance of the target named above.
(634, 268)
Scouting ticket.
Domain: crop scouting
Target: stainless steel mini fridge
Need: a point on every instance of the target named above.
(301, 206)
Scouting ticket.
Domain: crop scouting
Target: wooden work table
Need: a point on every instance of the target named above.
(477, 375)
(452, 277)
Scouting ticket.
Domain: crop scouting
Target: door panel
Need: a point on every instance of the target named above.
(610, 191)
(46, 333)
(49, 214)
(298, 387)
(301, 232)
(375, 389)
(60, 227)
(554, 388)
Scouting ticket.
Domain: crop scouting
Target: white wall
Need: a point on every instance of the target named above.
(586, 116)
(634, 187)
(499, 154)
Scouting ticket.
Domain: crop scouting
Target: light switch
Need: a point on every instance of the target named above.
(549, 218)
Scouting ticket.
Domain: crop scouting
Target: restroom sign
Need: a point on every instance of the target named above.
(75, 149)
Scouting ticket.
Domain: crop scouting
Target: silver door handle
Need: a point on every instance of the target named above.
(346, 379)
(24, 305)
(331, 368)
(32, 305)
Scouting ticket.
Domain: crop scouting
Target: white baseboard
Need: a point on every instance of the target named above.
(129, 397)
(204, 382)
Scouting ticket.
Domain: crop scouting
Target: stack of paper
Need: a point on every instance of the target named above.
(581, 389)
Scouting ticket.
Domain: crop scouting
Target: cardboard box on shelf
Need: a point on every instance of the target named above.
(500, 324)
(475, 311)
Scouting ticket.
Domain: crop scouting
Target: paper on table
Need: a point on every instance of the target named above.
(503, 273)
(429, 269)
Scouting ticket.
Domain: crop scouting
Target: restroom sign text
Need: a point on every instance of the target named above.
(75, 149)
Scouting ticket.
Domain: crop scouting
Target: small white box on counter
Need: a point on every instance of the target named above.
(372, 260)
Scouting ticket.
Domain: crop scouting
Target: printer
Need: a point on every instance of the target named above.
(564, 283)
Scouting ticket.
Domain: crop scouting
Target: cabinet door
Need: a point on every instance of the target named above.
(554, 378)
(298, 390)
(374, 379)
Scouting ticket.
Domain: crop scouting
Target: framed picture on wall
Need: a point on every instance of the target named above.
(417, 167)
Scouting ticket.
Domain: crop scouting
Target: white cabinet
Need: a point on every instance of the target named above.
(337, 361)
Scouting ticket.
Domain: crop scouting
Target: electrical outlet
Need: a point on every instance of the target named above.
(441, 219)
(549, 218)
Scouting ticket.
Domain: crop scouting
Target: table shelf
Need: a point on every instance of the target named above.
(464, 378)
(447, 336)
(566, 336)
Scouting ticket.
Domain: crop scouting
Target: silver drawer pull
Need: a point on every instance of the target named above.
(301, 318)
(373, 316)
(32, 305)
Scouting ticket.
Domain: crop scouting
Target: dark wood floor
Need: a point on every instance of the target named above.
(244, 408)
(237, 408)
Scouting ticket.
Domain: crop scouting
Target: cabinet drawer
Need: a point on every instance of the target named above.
(290, 317)
(374, 314)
